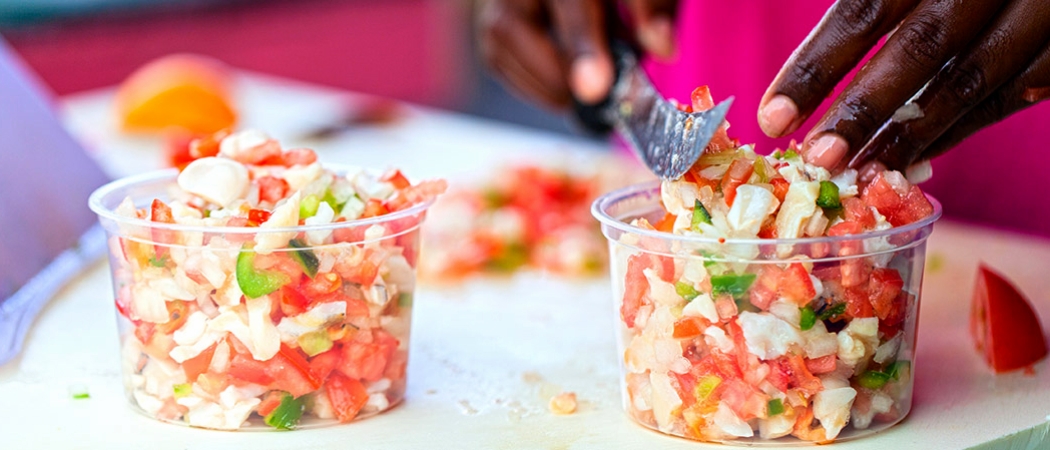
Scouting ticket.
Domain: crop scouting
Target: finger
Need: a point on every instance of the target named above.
(1014, 38)
(1025, 90)
(516, 46)
(930, 36)
(579, 26)
(654, 21)
(848, 30)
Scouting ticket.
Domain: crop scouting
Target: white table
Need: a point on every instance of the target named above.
(486, 355)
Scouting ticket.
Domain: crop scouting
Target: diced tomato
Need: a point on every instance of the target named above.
(322, 284)
(780, 187)
(746, 401)
(293, 302)
(914, 207)
(881, 194)
(857, 303)
(269, 402)
(855, 271)
(883, 288)
(720, 364)
(257, 217)
(374, 208)
(178, 311)
(346, 395)
(689, 326)
(160, 212)
(701, 98)
(796, 285)
(1003, 324)
(213, 383)
(396, 178)
(366, 361)
(635, 287)
(322, 365)
(769, 229)
(356, 307)
(246, 368)
(894, 321)
(726, 307)
(207, 145)
(666, 223)
(764, 290)
(348, 234)
(739, 172)
(272, 189)
(742, 354)
(144, 331)
(363, 273)
(856, 211)
(290, 372)
(298, 157)
(199, 364)
(824, 364)
(802, 378)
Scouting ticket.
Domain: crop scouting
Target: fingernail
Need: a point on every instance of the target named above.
(657, 37)
(591, 79)
(825, 151)
(869, 170)
(776, 115)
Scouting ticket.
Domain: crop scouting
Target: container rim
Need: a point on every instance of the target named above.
(603, 203)
(95, 202)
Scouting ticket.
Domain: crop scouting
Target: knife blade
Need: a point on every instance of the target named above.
(666, 139)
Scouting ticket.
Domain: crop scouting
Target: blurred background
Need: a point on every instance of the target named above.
(420, 51)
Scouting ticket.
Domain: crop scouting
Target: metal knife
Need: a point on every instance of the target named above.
(668, 140)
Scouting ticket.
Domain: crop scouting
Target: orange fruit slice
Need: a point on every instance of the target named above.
(182, 92)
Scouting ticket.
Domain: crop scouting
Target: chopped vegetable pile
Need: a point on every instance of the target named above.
(728, 340)
(252, 291)
(525, 216)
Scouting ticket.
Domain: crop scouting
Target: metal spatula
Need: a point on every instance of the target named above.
(667, 140)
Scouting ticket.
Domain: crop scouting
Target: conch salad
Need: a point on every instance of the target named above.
(528, 215)
(752, 341)
(229, 314)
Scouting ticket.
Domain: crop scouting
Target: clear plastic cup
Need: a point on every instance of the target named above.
(215, 334)
(722, 341)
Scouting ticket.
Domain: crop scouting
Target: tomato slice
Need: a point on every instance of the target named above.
(1003, 324)
(346, 395)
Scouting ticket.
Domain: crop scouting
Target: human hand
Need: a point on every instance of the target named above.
(948, 69)
(556, 50)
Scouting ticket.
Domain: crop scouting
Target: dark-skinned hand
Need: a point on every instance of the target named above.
(947, 69)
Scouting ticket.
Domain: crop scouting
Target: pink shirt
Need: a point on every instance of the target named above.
(996, 177)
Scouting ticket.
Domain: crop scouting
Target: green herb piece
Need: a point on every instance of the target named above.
(832, 311)
(807, 318)
(308, 206)
(829, 196)
(330, 199)
(158, 262)
(735, 285)
(894, 370)
(706, 386)
(513, 256)
(700, 215)
(873, 379)
(686, 290)
(774, 407)
(182, 390)
(315, 342)
(287, 414)
(255, 283)
(304, 256)
(790, 154)
(404, 300)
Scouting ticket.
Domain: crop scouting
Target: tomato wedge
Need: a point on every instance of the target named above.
(1003, 324)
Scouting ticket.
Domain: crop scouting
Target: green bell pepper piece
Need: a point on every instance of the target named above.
(256, 283)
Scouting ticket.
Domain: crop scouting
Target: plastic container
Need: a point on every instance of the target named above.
(212, 332)
(699, 360)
